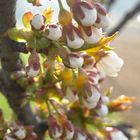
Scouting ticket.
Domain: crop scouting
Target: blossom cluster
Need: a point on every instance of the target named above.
(67, 62)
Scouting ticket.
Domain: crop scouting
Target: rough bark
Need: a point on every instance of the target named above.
(125, 20)
(11, 62)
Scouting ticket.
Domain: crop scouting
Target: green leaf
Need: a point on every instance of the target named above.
(43, 42)
(20, 35)
(48, 13)
(103, 42)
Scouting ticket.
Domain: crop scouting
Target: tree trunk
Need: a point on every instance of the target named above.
(11, 62)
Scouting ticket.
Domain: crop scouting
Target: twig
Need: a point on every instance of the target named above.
(126, 18)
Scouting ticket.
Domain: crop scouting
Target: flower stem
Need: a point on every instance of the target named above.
(60, 5)
(48, 106)
(54, 107)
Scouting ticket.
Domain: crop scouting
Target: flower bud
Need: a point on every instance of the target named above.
(95, 95)
(38, 22)
(84, 12)
(81, 135)
(102, 17)
(105, 99)
(115, 134)
(33, 69)
(110, 64)
(71, 95)
(102, 110)
(92, 137)
(20, 133)
(89, 105)
(92, 34)
(69, 128)
(65, 17)
(73, 36)
(91, 97)
(9, 138)
(93, 76)
(54, 32)
(55, 129)
(75, 60)
(88, 61)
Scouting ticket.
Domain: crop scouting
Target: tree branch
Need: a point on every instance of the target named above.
(19, 47)
(109, 4)
(126, 18)
(10, 62)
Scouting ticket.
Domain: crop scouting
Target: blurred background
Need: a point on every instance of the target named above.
(127, 45)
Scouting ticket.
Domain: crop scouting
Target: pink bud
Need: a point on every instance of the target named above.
(81, 135)
(102, 17)
(88, 61)
(54, 32)
(71, 95)
(115, 134)
(92, 35)
(69, 128)
(73, 36)
(20, 133)
(105, 99)
(55, 129)
(85, 13)
(91, 97)
(9, 138)
(33, 69)
(38, 22)
(102, 110)
(75, 60)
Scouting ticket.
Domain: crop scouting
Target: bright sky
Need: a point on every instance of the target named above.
(121, 6)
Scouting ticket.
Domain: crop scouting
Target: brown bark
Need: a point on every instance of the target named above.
(10, 62)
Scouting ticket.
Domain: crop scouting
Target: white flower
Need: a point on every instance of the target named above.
(104, 21)
(58, 133)
(70, 95)
(94, 37)
(38, 22)
(54, 32)
(76, 43)
(32, 72)
(81, 136)
(55, 128)
(90, 16)
(105, 99)
(9, 138)
(116, 134)
(69, 130)
(110, 64)
(76, 62)
(69, 134)
(89, 105)
(20, 133)
(95, 96)
(103, 110)
(92, 100)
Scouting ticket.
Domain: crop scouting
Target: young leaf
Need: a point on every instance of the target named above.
(20, 35)
(27, 17)
(48, 13)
